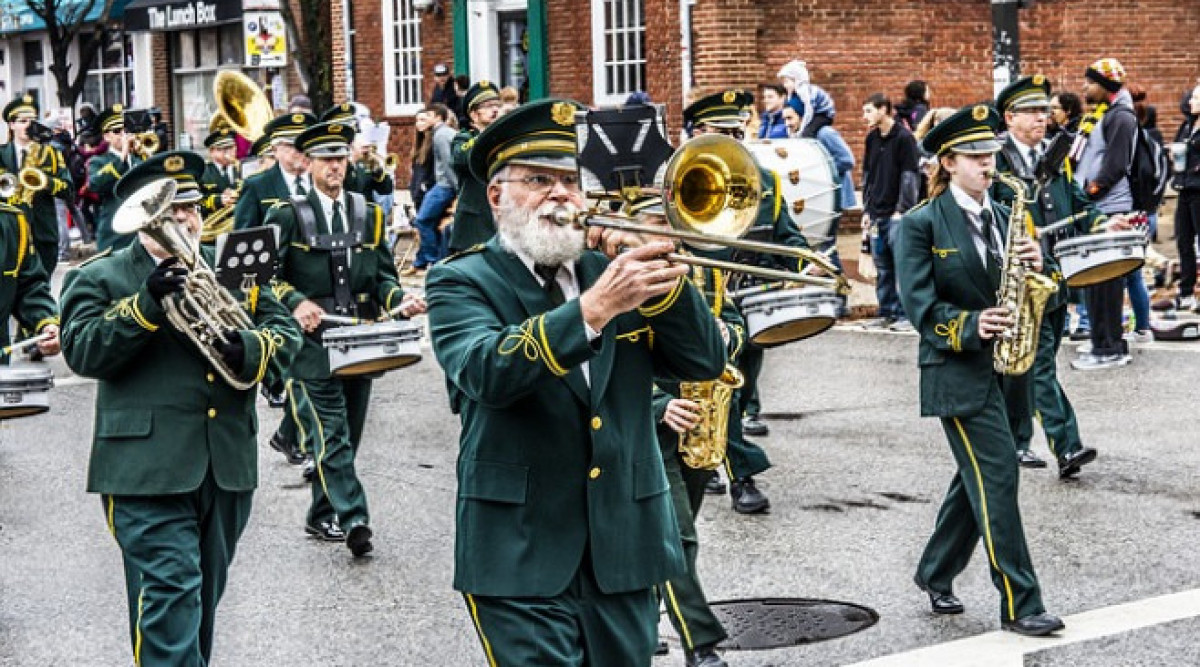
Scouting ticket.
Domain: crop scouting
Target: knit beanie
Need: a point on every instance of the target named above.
(797, 70)
(1107, 72)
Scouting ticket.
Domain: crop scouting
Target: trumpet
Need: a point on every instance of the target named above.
(711, 196)
(373, 162)
(144, 144)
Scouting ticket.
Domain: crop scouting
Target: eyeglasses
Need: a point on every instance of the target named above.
(543, 183)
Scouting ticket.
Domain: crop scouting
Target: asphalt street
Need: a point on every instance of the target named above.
(857, 480)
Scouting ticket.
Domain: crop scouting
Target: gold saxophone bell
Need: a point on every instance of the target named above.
(711, 194)
(703, 447)
(204, 311)
(241, 105)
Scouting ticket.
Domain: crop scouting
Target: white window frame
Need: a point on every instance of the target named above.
(98, 71)
(634, 37)
(409, 25)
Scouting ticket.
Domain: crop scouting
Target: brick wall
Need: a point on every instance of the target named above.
(161, 74)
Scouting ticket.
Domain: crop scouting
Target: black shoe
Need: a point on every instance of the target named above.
(309, 471)
(273, 399)
(940, 603)
(1035, 625)
(289, 449)
(1070, 464)
(747, 499)
(714, 486)
(752, 425)
(1081, 334)
(358, 540)
(662, 648)
(705, 656)
(328, 531)
(1027, 459)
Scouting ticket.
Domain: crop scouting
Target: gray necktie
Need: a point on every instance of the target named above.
(300, 190)
(339, 224)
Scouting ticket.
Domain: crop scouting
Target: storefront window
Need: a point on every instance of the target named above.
(110, 81)
(198, 56)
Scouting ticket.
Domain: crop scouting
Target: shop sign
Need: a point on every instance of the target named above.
(266, 39)
(189, 15)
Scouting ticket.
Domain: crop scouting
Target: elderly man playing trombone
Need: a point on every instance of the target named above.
(564, 522)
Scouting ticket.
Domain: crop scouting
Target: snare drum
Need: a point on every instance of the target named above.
(372, 348)
(783, 316)
(1096, 258)
(24, 391)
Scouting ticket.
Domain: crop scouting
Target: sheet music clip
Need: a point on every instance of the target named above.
(621, 151)
(247, 257)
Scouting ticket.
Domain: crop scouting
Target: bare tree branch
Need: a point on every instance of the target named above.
(66, 20)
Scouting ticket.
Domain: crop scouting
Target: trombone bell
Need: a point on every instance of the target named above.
(711, 186)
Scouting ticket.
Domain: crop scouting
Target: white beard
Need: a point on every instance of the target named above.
(525, 231)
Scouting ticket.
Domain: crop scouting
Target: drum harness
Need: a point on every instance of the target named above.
(1045, 201)
(340, 245)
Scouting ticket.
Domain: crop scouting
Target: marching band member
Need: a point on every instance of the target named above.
(472, 216)
(949, 264)
(220, 181)
(23, 150)
(1025, 104)
(333, 258)
(286, 178)
(105, 170)
(24, 286)
(721, 113)
(174, 450)
(564, 523)
(366, 180)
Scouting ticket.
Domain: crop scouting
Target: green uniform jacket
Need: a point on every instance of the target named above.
(42, 214)
(549, 465)
(307, 273)
(163, 416)
(365, 183)
(104, 171)
(1061, 195)
(473, 223)
(214, 182)
(943, 286)
(24, 286)
(259, 193)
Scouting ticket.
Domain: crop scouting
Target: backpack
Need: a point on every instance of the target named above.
(1148, 172)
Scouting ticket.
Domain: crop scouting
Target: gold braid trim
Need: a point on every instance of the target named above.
(269, 342)
(281, 289)
(45, 322)
(944, 252)
(952, 331)
(22, 243)
(666, 302)
(128, 307)
(535, 348)
(387, 302)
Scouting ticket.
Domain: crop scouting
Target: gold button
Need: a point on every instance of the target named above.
(594, 473)
(212, 413)
(597, 422)
(209, 377)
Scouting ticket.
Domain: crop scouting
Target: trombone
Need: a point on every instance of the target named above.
(711, 194)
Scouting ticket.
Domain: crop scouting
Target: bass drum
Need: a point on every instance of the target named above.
(24, 391)
(807, 179)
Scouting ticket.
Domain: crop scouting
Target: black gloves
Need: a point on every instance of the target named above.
(233, 353)
(166, 278)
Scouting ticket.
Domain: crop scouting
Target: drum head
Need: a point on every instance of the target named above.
(377, 366)
(22, 411)
(1105, 272)
(790, 332)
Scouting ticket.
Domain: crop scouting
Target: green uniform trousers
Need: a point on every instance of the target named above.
(48, 253)
(1050, 402)
(742, 457)
(982, 502)
(329, 417)
(750, 363)
(177, 550)
(580, 626)
(687, 606)
(287, 424)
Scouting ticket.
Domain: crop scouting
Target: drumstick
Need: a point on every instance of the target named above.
(1062, 223)
(338, 319)
(28, 342)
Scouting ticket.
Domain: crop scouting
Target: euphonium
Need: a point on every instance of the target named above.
(703, 447)
(203, 310)
(1022, 291)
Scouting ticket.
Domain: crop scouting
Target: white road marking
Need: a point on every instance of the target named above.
(1005, 649)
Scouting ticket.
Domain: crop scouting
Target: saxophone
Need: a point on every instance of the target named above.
(703, 447)
(1022, 291)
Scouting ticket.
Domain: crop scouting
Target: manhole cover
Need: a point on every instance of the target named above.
(777, 622)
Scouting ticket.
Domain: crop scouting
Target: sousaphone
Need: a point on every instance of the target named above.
(241, 105)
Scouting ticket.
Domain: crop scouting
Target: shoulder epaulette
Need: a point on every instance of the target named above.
(103, 253)
(921, 204)
(463, 253)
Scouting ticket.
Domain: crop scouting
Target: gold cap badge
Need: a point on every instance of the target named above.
(563, 113)
(484, 83)
(1038, 79)
(117, 108)
(297, 118)
(173, 164)
(27, 99)
(729, 96)
(335, 129)
(979, 113)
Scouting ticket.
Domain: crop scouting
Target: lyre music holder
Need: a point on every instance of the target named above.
(621, 151)
(247, 257)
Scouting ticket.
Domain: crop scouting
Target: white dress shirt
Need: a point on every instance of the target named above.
(569, 285)
(973, 209)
